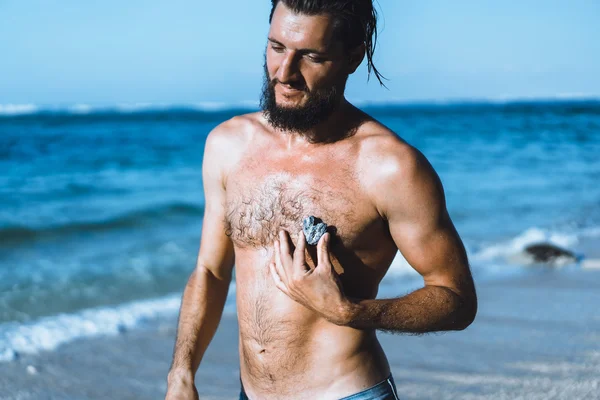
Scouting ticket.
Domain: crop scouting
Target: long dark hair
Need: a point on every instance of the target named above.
(355, 22)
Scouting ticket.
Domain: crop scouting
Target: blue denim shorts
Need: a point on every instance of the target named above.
(384, 390)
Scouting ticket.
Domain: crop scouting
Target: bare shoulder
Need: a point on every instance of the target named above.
(227, 142)
(394, 173)
(234, 133)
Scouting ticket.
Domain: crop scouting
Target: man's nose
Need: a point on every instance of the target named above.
(288, 70)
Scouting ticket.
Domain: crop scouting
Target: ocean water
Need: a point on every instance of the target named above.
(101, 209)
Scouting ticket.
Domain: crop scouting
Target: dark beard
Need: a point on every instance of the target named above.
(317, 109)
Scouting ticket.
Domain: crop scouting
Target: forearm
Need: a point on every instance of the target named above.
(201, 309)
(429, 309)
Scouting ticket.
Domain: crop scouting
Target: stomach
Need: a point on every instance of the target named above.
(286, 348)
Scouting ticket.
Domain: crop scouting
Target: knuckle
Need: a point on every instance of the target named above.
(295, 281)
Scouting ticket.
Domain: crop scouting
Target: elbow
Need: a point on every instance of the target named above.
(465, 321)
(466, 313)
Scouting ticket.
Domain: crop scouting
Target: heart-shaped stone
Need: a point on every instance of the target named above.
(313, 229)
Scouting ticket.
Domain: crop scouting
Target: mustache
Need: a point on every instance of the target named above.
(298, 85)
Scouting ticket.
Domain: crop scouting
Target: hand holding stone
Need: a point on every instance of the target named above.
(318, 289)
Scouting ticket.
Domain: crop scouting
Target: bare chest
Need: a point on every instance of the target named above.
(261, 204)
(264, 197)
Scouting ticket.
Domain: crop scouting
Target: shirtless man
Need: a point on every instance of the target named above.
(308, 314)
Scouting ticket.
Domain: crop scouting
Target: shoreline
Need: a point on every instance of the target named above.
(535, 337)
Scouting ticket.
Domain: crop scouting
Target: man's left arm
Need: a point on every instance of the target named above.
(408, 194)
(411, 198)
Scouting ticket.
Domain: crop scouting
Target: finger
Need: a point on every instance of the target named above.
(300, 266)
(275, 275)
(285, 252)
(284, 239)
(278, 263)
(323, 251)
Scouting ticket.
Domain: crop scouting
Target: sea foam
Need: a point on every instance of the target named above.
(46, 334)
(50, 332)
(79, 109)
(18, 109)
(517, 244)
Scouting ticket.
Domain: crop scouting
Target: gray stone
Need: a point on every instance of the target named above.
(313, 229)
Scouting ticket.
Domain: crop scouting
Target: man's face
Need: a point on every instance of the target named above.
(305, 70)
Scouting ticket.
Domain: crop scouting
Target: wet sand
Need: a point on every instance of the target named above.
(537, 336)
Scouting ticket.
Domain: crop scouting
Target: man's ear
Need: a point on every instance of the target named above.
(355, 58)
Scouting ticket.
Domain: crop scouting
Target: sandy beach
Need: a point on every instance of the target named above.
(537, 336)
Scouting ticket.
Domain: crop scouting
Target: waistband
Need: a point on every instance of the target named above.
(384, 390)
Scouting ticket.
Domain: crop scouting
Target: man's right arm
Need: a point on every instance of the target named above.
(206, 291)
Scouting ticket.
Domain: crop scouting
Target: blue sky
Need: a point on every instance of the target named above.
(190, 51)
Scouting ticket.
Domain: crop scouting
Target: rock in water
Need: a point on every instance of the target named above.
(550, 254)
(313, 229)
(592, 263)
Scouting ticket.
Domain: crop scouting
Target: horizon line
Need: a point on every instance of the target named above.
(24, 109)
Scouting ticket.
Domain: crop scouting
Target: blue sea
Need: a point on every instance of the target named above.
(101, 208)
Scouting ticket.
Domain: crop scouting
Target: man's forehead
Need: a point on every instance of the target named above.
(300, 31)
